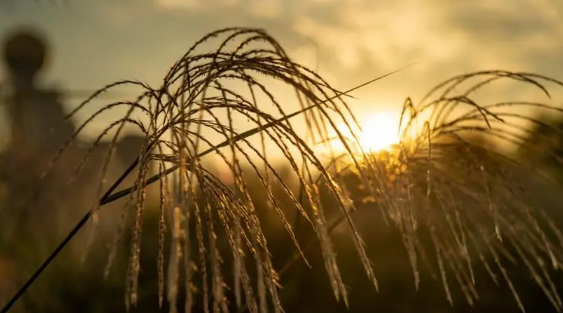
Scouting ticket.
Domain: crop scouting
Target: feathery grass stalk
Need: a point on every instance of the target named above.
(463, 195)
(274, 63)
(437, 184)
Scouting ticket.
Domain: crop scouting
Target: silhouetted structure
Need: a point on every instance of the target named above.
(35, 213)
(34, 112)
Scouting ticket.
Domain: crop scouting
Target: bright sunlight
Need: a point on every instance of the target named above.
(379, 131)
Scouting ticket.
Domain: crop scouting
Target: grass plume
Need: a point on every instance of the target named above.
(443, 192)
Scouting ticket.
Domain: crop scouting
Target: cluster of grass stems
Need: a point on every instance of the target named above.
(435, 183)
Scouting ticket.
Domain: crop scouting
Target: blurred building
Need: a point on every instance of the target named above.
(34, 211)
(34, 112)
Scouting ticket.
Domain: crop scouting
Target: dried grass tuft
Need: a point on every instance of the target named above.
(435, 183)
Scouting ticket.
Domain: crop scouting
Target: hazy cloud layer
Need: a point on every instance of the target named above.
(97, 42)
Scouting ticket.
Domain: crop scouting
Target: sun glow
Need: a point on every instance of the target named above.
(379, 131)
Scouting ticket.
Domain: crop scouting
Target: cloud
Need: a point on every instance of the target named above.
(349, 41)
(265, 8)
(181, 4)
(384, 35)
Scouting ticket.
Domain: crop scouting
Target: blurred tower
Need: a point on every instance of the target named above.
(33, 111)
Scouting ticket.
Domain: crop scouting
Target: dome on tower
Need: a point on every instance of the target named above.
(24, 51)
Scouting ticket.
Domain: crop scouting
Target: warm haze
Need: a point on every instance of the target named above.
(435, 213)
(348, 42)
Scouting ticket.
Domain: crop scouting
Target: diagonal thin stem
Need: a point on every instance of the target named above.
(108, 197)
(244, 135)
(66, 240)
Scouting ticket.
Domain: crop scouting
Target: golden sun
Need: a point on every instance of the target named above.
(379, 131)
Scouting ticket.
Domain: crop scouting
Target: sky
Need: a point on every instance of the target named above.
(347, 41)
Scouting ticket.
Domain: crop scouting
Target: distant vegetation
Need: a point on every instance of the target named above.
(445, 218)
